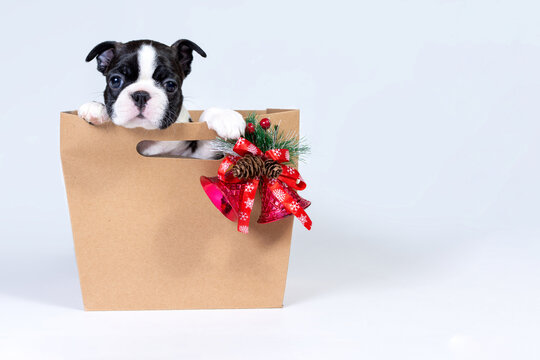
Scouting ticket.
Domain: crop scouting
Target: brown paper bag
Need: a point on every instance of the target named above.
(147, 236)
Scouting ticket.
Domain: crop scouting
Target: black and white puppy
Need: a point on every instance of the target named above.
(144, 89)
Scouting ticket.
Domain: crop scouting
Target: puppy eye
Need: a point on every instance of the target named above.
(115, 82)
(170, 86)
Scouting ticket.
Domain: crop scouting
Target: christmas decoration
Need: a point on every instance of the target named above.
(259, 161)
(265, 123)
(250, 128)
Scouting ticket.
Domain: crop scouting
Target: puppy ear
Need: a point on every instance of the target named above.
(105, 53)
(184, 49)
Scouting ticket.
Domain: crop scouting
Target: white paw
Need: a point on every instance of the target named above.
(94, 112)
(227, 123)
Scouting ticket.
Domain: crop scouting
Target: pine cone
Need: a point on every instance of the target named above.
(248, 167)
(272, 169)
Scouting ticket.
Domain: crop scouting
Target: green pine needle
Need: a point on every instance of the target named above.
(265, 140)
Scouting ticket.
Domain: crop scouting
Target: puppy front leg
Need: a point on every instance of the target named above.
(203, 149)
(93, 112)
(228, 124)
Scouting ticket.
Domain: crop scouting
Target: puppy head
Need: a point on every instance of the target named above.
(144, 80)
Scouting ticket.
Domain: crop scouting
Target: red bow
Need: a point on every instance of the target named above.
(289, 176)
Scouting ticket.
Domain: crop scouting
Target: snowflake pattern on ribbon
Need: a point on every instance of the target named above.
(224, 166)
(294, 206)
(249, 203)
(279, 194)
(253, 149)
(243, 216)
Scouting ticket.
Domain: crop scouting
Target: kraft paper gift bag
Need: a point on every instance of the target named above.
(146, 235)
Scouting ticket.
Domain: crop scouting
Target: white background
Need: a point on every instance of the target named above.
(424, 123)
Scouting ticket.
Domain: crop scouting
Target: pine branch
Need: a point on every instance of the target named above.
(265, 140)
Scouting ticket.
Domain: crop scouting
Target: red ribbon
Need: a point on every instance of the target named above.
(289, 176)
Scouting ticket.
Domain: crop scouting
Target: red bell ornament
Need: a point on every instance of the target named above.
(272, 208)
(225, 196)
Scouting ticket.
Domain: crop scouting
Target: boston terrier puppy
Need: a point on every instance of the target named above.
(144, 89)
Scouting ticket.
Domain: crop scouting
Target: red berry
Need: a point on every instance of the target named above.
(265, 123)
(250, 128)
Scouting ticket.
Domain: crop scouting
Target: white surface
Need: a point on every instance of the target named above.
(429, 107)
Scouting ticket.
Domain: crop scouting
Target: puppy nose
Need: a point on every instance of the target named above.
(140, 98)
